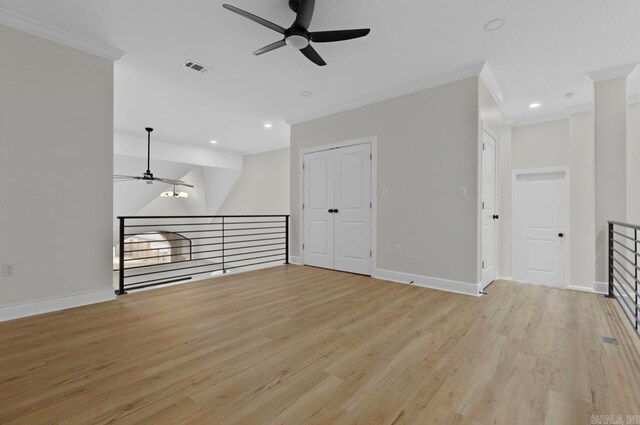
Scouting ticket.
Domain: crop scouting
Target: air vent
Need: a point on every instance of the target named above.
(196, 67)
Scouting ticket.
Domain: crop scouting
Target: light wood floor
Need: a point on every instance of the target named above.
(296, 345)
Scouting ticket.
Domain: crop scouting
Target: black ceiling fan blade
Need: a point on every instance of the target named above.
(270, 47)
(340, 35)
(313, 56)
(255, 18)
(305, 13)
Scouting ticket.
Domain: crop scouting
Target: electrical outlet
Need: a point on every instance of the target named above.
(8, 270)
(398, 249)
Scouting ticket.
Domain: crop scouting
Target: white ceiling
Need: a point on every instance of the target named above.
(545, 50)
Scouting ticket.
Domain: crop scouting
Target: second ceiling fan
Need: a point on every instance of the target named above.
(297, 35)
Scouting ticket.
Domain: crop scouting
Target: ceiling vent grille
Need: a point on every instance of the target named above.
(196, 67)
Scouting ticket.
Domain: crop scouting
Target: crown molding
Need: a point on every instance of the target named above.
(539, 119)
(490, 81)
(25, 24)
(438, 80)
(614, 72)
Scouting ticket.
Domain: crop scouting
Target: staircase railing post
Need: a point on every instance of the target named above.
(610, 293)
(121, 264)
(286, 221)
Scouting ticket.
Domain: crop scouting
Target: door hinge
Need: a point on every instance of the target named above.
(483, 264)
(483, 146)
(302, 206)
(370, 204)
(483, 205)
(370, 254)
(303, 165)
(370, 157)
(302, 246)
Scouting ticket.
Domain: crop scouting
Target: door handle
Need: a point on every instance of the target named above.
(561, 235)
(496, 216)
(331, 211)
(335, 211)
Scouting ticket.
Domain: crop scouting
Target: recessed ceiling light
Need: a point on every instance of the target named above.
(213, 142)
(534, 105)
(268, 125)
(306, 94)
(494, 25)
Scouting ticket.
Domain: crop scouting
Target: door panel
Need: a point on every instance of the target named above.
(353, 202)
(488, 209)
(318, 199)
(540, 216)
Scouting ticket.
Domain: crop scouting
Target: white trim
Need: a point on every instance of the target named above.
(490, 81)
(31, 26)
(567, 248)
(539, 119)
(614, 72)
(373, 140)
(601, 287)
(438, 80)
(463, 288)
(510, 278)
(294, 259)
(56, 304)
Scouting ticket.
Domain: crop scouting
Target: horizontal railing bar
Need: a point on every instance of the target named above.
(174, 255)
(219, 237)
(126, 251)
(254, 264)
(182, 275)
(174, 270)
(625, 236)
(254, 234)
(256, 246)
(254, 258)
(628, 261)
(146, 217)
(208, 231)
(163, 264)
(166, 282)
(631, 287)
(255, 240)
(630, 226)
(200, 224)
(626, 247)
(625, 291)
(627, 313)
(254, 252)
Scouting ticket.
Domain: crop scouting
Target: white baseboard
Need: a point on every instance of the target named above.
(56, 304)
(295, 260)
(601, 288)
(463, 288)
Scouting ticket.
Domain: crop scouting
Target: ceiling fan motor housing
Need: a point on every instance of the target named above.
(297, 38)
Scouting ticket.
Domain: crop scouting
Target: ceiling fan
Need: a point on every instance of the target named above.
(297, 35)
(148, 176)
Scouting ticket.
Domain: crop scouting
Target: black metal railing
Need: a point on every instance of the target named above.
(196, 246)
(624, 269)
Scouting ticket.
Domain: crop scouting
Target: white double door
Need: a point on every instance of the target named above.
(337, 209)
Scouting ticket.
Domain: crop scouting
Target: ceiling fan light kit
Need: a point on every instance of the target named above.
(297, 36)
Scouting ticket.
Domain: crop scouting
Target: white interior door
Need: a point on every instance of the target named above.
(541, 220)
(353, 205)
(337, 209)
(489, 215)
(318, 242)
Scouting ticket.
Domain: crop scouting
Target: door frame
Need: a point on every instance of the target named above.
(490, 132)
(567, 246)
(373, 141)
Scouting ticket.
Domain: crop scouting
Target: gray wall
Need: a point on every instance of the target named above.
(427, 149)
(56, 160)
(263, 186)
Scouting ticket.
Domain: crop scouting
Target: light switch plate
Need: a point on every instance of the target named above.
(384, 194)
